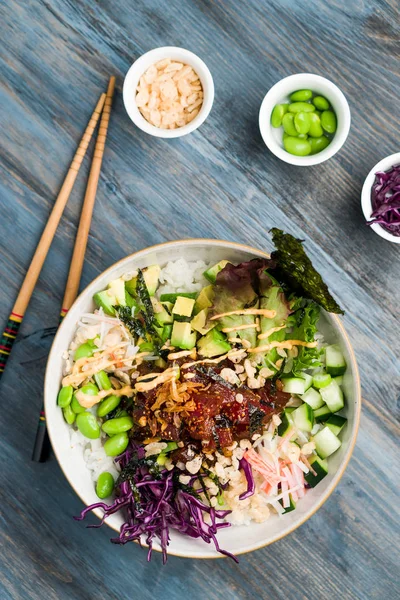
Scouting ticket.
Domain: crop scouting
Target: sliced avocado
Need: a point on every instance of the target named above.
(166, 332)
(183, 306)
(204, 299)
(117, 289)
(129, 301)
(172, 297)
(130, 286)
(162, 316)
(106, 301)
(212, 272)
(151, 275)
(160, 363)
(213, 344)
(168, 306)
(182, 336)
(199, 322)
(274, 301)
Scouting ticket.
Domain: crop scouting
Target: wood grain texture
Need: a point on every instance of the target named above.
(56, 57)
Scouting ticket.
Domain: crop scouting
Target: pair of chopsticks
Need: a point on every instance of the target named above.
(103, 109)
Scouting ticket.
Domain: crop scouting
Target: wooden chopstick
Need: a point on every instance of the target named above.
(78, 256)
(21, 304)
(71, 289)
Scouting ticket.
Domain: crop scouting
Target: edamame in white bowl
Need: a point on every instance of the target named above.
(280, 93)
(236, 539)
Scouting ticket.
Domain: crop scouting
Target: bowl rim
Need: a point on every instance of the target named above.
(357, 400)
(310, 160)
(159, 53)
(366, 204)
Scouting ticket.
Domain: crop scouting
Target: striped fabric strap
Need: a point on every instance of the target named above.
(8, 338)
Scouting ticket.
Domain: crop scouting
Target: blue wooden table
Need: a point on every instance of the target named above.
(56, 57)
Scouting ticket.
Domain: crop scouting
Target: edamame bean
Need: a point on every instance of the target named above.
(102, 380)
(302, 122)
(84, 350)
(88, 425)
(90, 389)
(303, 136)
(297, 107)
(321, 103)
(297, 146)
(104, 485)
(117, 444)
(65, 396)
(288, 124)
(318, 144)
(118, 425)
(315, 126)
(300, 96)
(69, 414)
(328, 121)
(277, 114)
(107, 405)
(76, 407)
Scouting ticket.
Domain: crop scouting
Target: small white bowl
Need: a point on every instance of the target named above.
(384, 165)
(279, 94)
(142, 64)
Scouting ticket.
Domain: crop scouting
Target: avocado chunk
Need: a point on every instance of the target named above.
(161, 315)
(182, 335)
(183, 306)
(105, 301)
(172, 297)
(212, 272)
(151, 275)
(117, 289)
(199, 322)
(213, 344)
(204, 299)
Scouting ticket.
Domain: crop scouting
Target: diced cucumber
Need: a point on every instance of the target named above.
(333, 397)
(290, 409)
(335, 361)
(326, 442)
(293, 385)
(303, 417)
(212, 272)
(336, 423)
(313, 398)
(287, 422)
(321, 414)
(339, 380)
(321, 380)
(320, 467)
(172, 297)
(308, 379)
(292, 505)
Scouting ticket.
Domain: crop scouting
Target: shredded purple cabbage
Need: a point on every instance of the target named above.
(154, 503)
(385, 199)
(243, 464)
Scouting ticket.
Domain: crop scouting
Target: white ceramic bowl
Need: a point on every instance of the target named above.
(142, 64)
(279, 94)
(236, 539)
(384, 165)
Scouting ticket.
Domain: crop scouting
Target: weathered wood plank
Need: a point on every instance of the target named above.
(219, 182)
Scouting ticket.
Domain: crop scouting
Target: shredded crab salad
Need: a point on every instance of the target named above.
(203, 396)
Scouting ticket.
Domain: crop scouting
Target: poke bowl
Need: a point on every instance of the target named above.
(267, 514)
